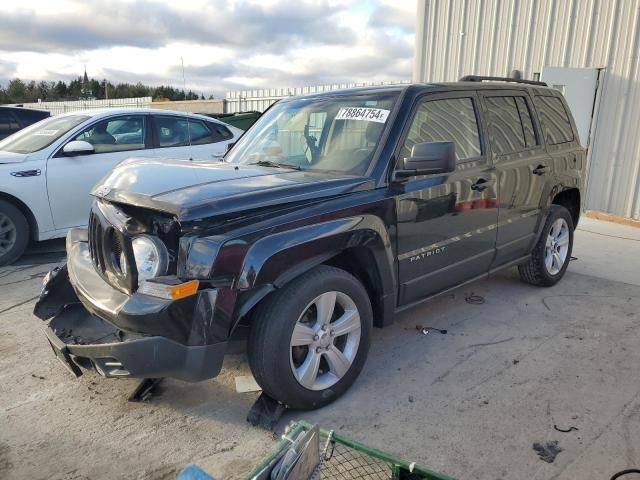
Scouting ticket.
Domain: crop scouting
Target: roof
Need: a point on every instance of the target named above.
(381, 89)
(106, 112)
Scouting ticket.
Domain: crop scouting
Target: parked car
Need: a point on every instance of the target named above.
(47, 170)
(241, 120)
(13, 119)
(333, 213)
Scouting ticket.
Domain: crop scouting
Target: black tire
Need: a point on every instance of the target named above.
(20, 235)
(273, 321)
(535, 271)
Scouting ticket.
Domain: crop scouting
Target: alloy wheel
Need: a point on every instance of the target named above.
(8, 234)
(325, 340)
(557, 246)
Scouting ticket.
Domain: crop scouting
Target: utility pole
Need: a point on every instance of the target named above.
(106, 89)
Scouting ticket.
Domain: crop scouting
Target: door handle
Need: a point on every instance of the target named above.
(480, 185)
(540, 169)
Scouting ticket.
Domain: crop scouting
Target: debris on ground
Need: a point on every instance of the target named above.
(563, 430)
(547, 451)
(247, 384)
(145, 390)
(425, 330)
(37, 376)
(474, 299)
(265, 412)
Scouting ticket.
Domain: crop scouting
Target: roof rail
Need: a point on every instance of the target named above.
(480, 78)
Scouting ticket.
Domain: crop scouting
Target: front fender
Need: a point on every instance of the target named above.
(272, 259)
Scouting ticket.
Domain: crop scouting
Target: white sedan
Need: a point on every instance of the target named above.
(48, 169)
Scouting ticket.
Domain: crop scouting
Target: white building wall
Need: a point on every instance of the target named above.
(493, 37)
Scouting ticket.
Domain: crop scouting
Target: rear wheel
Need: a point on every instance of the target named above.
(309, 341)
(551, 255)
(14, 233)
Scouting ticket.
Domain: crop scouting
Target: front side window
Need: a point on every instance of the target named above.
(40, 135)
(447, 120)
(339, 133)
(555, 121)
(116, 134)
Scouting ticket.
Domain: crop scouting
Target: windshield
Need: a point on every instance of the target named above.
(41, 134)
(334, 133)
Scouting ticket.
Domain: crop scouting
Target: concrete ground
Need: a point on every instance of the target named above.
(469, 403)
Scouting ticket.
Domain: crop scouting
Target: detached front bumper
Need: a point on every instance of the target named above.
(84, 330)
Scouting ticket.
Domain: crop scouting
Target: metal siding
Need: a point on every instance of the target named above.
(493, 37)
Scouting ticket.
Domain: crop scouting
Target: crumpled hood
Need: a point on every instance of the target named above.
(200, 189)
(9, 157)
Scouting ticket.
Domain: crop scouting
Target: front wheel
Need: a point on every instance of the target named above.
(550, 256)
(14, 233)
(309, 340)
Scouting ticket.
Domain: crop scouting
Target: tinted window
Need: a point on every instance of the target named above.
(527, 121)
(451, 119)
(183, 131)
(28, 116)
(220, 132)
(556, 125)
(116, 134)
(41, 135)
(172, 131)
(8, 124)
(506, 127)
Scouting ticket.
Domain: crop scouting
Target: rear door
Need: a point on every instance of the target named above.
(446, 223)
(522, 165)
(71, 179)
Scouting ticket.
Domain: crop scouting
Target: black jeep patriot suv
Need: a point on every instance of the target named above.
(331, 214)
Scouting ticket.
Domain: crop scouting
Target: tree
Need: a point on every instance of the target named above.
(16, 90)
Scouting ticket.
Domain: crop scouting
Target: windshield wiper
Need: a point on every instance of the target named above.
(269, 163)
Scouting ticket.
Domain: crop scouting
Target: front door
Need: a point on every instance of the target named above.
(71, 179)
(446, 223)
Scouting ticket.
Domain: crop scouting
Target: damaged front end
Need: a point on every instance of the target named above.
(92, 325)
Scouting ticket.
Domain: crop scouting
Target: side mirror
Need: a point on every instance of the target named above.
(428, 159)
(77, 147)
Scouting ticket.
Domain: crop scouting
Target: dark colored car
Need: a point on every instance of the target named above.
(13, 119)
(333, 212)
(241, 120)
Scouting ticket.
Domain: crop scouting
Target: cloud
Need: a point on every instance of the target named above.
(7, 70)
(226, 44)
(147, 24)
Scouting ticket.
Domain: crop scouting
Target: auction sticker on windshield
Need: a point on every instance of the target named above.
(361, 113)
(46, 133)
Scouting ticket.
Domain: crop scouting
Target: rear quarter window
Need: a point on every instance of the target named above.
(556, 126)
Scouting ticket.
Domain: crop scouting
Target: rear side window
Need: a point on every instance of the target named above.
(448, 120)
(556, 126)
(182, 131)
(506, 126)
(220, 132)
(527, 121)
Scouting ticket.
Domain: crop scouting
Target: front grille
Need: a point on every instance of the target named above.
(107, 247)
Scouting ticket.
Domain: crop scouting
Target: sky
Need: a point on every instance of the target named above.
(224, 44)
